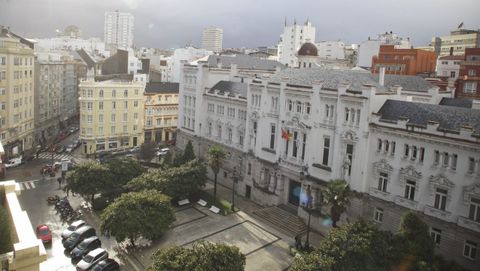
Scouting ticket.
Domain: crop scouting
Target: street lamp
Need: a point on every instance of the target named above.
(307, 206)
(234, 180)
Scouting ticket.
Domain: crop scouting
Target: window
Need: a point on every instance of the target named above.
(211, 108)
(393, 147)
(436, 235)
(100, 94)
(272, 136)
(114, 93)
(470, 250)
(231, 112)
(414, 153)
(410, 190)
(474, 211)
(89, 106)
(470, 87)
(295, 144)
(135, 103)
(440, 199)
(230, 134)
(249, 169)
(100, 118)
(299, 107)
(220, 109)
(125, 104)
(445, 159)
(422, 154)
(382, 182)
(436, 157)
(378, 215)
(114, 105)
(112, 129)
(347, 114)
(453, 165)
(452, 74)
(471, 165)
(290, 105)
(89, 119)
(472, 73)
(100, 105)
(406, 150)
(307, 108)
(125, 117)
(219, 131)
(326, 150)
(350, 157)
(209, 128)
(113, 118)
(240, 139)
(125, 93)
(379, 145)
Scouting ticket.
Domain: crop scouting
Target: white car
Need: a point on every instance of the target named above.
(14, 162)
(163, 151)
(91, 259)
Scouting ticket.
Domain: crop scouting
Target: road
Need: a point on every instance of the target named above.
(35, 190)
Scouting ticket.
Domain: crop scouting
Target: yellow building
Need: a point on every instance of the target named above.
(16, 93)
(161, 111)
(111, 115)
(457, 42)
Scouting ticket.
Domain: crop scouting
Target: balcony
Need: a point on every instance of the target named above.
(293, 163)
(411, 204)
(432, 211)
(468, 223)
(380, 194)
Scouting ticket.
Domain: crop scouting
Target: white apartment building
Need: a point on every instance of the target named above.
(212, 39)
(291, 39)
(295, 130)
(118, 29)
(371, 47)
(70, 44)
(334, 50)
(449, 66)
(456, 42)
(181, 56)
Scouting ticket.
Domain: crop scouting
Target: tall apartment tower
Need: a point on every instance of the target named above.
(212, 39)
(118, 29)
(291, 39)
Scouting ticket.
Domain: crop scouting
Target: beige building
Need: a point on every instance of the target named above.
(161, 111)
(111, 115)
(16, 93)
(458, 41)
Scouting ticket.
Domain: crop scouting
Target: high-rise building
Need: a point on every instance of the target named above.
(212, 39)
(291, 39)
(16, 93)
(118, 29)
(457, 42)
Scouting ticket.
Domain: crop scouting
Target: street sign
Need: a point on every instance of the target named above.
(64, 166)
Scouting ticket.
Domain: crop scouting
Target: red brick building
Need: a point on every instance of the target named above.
(469, 79)
(403, 61)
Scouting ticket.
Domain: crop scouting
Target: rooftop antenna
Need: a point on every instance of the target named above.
(285, 20)
(295, 21)
(460, 25)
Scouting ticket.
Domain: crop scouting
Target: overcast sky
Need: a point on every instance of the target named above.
(246, 23)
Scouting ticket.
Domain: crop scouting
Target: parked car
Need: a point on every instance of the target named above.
(70, 148)
(85, 247)
(163, 151)
(60, 148)
(78, 236)
(14, 162)
(49, 169)
(76, 143)
(106, 265)
(44, 233)
(91, 259)
(72, 227)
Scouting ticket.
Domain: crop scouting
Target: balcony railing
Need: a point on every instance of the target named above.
(380, 194)
(440, 214)
(468, 223)
(411, 204)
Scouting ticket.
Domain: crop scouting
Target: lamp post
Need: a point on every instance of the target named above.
(234, 180)
(307, 206)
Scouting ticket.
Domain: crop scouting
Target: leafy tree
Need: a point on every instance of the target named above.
(135, 214)
(5, 241)
(337, 196)
(89, 179)
(203, 256)
(123, 170)
(420, 245)
(188, 154)
(147, 151)
(354, 246)
(215, 158)
(177, 182)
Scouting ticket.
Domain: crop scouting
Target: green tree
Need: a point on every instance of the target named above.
(147, 151)
(5, 241)
(89, 179)
(203, 256)
(215, 157)
(146, 213)
(177, 182)
(420, 245)
(354, 246)
(123, 170)
(337, 196)
(188, 154)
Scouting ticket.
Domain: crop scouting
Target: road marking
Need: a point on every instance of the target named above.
(28, 185)
(47, 155)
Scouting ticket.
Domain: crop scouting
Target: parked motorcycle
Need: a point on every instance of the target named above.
(53, 199)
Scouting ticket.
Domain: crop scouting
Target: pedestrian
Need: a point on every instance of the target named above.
(298, 242)
(59, 180)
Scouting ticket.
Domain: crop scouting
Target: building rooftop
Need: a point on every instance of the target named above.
(448, 117)
(232, 87)
(465, 103)
(356, 79)
(161, 87)
(308, 49)
(459, 57)
(243, 62)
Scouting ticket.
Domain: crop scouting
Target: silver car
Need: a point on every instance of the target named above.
(73, 227)
(91, 259)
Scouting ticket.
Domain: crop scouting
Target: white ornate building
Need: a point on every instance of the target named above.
(297, 129)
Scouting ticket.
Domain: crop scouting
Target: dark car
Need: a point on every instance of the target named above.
(60, 148)
(106, 265)
(78, 236)
(85, 247)
(72, 228)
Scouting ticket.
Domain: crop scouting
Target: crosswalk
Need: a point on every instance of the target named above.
(28, 185)
(48, 155)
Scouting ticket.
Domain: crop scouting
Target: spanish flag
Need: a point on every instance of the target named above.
(286, 134)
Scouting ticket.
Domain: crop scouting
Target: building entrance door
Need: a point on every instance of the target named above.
(294, 192)
(248, 191)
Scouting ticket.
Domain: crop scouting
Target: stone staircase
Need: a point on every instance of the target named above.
(282, 220)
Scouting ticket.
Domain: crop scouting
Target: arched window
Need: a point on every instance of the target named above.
(100, 94)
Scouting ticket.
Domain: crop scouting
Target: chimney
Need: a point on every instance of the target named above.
(381, 76)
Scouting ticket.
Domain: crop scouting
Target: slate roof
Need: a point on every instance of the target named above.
(465, 103)
(243, 62)
(449, 117)
(332, 78)
(232, 87)
(162, 87)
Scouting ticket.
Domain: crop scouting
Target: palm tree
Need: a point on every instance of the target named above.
(215, 157)
(337, 195)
